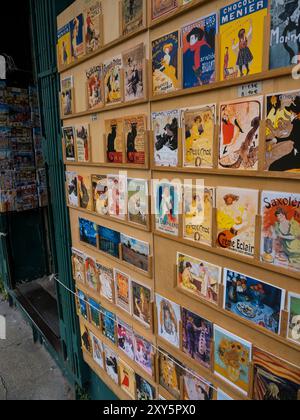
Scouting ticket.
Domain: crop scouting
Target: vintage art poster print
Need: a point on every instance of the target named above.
(239, 134)
(83, 143)
(285, 33)
(135, 132)
(91, 273)
(67, 99)
(198, 127)
(167, 202)
(134, 76)
(254, 300)
(198, 277)
(141, 303)
(198, 205)
(169, 320)
(280, 236)
(114, 133)
(283, 132)
(236, 219)
(93, 27)
(88, 232)
(72, 189)
(82, 305)
(94, 85)
(69, 144)
(127, 378)
(232, 360)
(85, 192)
(198, 44)
(293, 332)
(144, 390)
(77, 37)
(98, 350)
(197, 337)
(170, 373)
(144, 355)
(126, 339)
(109, 241)
(135, 252)
(274, 379)
(132, 16)
(161, 7)
(108, 325)
(117, 190)
(242, 38)
(165, 64)
(100, 194)
(111, 364)
(113, 80)
(138, 201)
(64, 46)
(78, 260)
(122, 290)
(195, 388)
(106, 281)
(165, 126)
(95, 310)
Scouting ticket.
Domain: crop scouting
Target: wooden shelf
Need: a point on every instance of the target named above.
(107, 165)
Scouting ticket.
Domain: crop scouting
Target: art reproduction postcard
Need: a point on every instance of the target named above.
(274, 379)
(165, 64)
(167, 202)
(78, 264)
(195, 388)
(198, 207)
(117, 191)
(86, 339)
(239, 134)
(127, 378)
(141, 303)
(67, 101)
(242, 38)
(91, 273)
(165, 126)
(198, 127)
(126, 339)
(109, 241)
(88, 232)
(85, 192)
(95, 312)
(111, 364)
(122, 290)
(134, 73)
(144, 354)
(93, 27)
(236, 219)
(144, 390)
(135, 252)
(64, 45)
(94, 85)
(114, 133)
(232, 359)
(72, 189)
(108, 325)
(198, 41)
(280, 243)
(98, 350)
(283, 132)
(138, 201)
(100, 194)
(284, 42)
(197, 335)
(135, 137)
(254, 300)
(83, 305)
(112, 80)
(106, 280)
(132, 16)
(169, 319)
(170, 373)
(77, 37)
(82, 133)
(293, 332)
(160, 8)
(198, 277)
(69, 144)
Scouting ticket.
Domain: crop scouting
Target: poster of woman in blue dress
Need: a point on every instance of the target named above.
(198, 44)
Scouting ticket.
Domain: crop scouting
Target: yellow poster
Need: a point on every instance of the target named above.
(64, 46)
(242, 38)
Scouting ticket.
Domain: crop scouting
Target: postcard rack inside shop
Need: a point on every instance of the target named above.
(184, 290)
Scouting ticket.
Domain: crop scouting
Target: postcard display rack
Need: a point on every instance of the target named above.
(203, 304)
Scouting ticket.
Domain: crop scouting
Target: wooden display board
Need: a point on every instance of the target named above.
(162, 275)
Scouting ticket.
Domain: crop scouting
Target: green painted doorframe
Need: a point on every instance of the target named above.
(44, 30)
